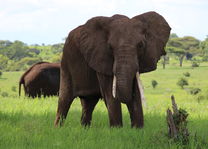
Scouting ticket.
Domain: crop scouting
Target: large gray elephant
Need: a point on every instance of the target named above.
(104, 58)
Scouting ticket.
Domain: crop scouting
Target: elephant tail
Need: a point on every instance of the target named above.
(22, 81)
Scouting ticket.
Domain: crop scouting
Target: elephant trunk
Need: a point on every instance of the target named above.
(123, 85)
(124, 93)
(124, 90)
(125, 73)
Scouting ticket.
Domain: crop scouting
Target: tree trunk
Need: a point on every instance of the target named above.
(164, 61)
(181, 60)
(172, 131)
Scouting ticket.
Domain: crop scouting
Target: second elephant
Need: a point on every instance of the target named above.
(42, 78)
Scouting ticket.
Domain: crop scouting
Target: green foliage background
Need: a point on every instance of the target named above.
(16, 56)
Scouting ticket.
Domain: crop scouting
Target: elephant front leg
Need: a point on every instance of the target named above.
(114, 111)
(113, 105)
(135, 109)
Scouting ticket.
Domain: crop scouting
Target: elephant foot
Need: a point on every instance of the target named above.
(88, 105)
(138, 125)
(59, 121)
(85, 122)
(117, 125)
(56, 122)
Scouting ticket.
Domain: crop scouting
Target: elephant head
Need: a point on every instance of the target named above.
(123, 48)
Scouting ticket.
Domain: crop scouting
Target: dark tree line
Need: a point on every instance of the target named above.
(17, 55)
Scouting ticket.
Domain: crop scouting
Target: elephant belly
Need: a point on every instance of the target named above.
(84, 80)
(86, 83)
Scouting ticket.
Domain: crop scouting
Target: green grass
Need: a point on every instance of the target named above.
(27, 123)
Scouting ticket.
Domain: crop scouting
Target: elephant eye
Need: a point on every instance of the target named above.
(140, 45)
(110, 47)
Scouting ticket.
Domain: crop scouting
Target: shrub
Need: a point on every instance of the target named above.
(14, 89)
(4, 94)
(154, 83)
(1, 73)
(205, 58)
(195, 91)
(182, 82)
(186, 74)
(199, 98)
(202, 96)
(195, 64)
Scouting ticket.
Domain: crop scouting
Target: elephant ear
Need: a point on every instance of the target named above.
(94, 47)
(157, 32)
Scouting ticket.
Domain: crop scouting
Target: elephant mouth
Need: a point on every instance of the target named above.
(139, 84)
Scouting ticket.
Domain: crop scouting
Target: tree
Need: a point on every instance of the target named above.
(180, 53)
(204, 49)
(56, 58)
(3, 62)
(183, 47)
(57, 48)
(16, 50)
(173, 35)
(165, 60)
(23, 64)
(5, 43)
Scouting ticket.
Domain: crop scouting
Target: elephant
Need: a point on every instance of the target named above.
(42, 78)
(104, 59)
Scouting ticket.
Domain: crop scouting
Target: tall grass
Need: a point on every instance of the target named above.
(26, 123)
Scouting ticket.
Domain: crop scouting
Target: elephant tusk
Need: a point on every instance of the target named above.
(141, 90)
(114, 87)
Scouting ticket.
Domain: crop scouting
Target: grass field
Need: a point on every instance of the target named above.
(27, 123)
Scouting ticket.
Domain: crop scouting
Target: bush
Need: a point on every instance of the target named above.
(202, 96)
(4, 94)
(154, 83)
(195, 64)
(205, 58)
(195, 91)
(186, 74)
(14, 89)
(1, 73)
(182, 82)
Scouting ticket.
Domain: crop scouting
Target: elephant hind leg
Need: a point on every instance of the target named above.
(88, 105)
(65, 98)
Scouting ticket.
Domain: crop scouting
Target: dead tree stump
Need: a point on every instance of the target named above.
(177, 123)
